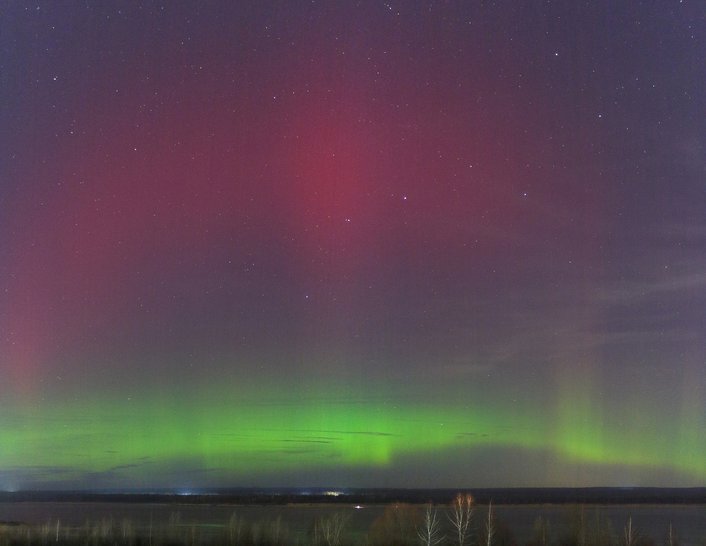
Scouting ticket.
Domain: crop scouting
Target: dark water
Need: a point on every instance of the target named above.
(688, 521)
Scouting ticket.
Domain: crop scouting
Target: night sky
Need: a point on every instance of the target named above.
(416, 244)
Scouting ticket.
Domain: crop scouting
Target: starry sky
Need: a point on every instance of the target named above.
(392, 244)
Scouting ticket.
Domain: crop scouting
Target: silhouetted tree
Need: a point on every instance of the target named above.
(460, 517)
(397, 526)
(429, 532)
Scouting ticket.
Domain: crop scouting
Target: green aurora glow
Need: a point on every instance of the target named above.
(241, 432)
(396, 244)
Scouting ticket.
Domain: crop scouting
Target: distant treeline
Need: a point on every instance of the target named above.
(590, 495)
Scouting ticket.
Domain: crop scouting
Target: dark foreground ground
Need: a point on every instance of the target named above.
(527, 517)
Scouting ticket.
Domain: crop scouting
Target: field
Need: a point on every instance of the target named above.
(106, 524)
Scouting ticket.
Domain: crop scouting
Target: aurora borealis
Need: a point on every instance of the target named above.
(404, 244)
